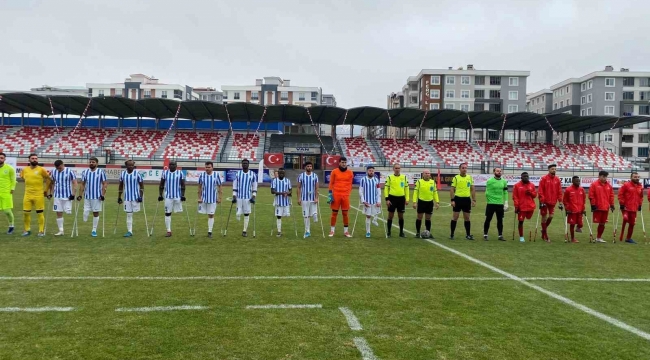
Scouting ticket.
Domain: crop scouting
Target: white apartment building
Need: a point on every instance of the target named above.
(140, 86)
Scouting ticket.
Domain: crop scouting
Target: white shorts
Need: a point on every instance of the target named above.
(372, 210)
(207, 208)
(173, 205)
(282, 211)
(63, 205)
(243, 206)
(309, 208)
(131, 206)
(94, 205)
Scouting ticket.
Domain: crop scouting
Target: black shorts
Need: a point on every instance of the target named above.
(425, 207)
(492, 209)
(397, 203)
(463, 204)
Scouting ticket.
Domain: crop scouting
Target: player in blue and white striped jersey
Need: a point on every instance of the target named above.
(281, 188)
(64, 186)
(172, 183)
(370, 196)
(209, 186)
(132, 186)
(244, 191)
(308, 196)
(93, 186)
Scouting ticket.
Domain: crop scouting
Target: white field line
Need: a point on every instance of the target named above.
(364, 349)
(163, 308)
(353, 322)
(307, 277)
(286, 306)
(36, 309)
(556, 296)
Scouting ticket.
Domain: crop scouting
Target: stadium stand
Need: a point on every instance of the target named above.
(550, 154)
(79, 143)
(25, 140)
(453, 153)
(137, 143)
(244, 146)
(405, 151)
(194, 145)
(357, 147)
(601, 158)
(507, 155)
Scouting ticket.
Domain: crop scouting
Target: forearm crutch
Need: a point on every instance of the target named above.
(189, 224)
(103, 222)
(381, 212)
(356, 217)
(47, 214)
(254, 220)
(146, 223)
(566, 227)
(117, 216)
(591, 234)
(536, 226)
(645, 239)
(616, 227)
(76, 213)
(153, 222)
(293, 216)
(225, 231)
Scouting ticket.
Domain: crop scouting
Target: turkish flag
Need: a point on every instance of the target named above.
(274, 159)
(331, 161)
(166, 164)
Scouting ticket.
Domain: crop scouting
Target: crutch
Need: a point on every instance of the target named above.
(47, 214)
(356, 217)
(189, 224)
(117, 216)
(591, 234)
(196, 217)
(103, 222)
(616, 227)
(536, 226)
(293, 216)
(566, 227)
(320, 216)
(153, 223)
(225, 231)
(514, 223)
(146, 223)
(645, 239)
(220, 218)
(620, 237)
(381, 212)
(254, 220)
(76, 213)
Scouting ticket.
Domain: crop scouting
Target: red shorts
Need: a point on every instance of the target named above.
(340, 202)
(525, 215)
(575, 218)
(629, 217)
(600, 216)
(548, 209)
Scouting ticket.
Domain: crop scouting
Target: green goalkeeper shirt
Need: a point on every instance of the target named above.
(496, 191)
(7, 179)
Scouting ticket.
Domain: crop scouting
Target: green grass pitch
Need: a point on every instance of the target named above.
(413, 299)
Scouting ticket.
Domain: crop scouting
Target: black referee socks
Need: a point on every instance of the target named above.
(467, 227)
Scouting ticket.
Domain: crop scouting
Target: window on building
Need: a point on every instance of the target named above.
(495, 107)
(644, 95)
(590, 84)
(163, 94)
(628, 95)
(583, 86)
(434, 94)
(118, 92)
(610, 82)
(284, 95)
(644, 138)
(609, 110)
(642, 152)
(644, 110)
(314, 96)
(464, 107)
(513, 108)
(255, 95)
(301, 96)
(583, 100)
(493, 135)
(147, 94)
(568, 89)
(479, 94)
(588, 111)
(462, 135)
(430, 134)
(609, 96)
(513, 95)
(583, 112)
(414, 99)
(561, 104)
(464, 94)
(479, 107)
(628, 138)
(434, 106)
(589, 98)
(628, 109)
(554, 106)
(609, 137)
(447, 135)
(479, 80)
(450, 94)
(236, 96)
(450, 80)
(644, 82)
(450, 106)
(225, 95)
(495, 94)
(561, 91)
(101, 92)
(495, 80)
(414, 87)
(628, 81)
(513, 81)
(568, 102)
(204, 97)
(464, 80)
(435, 79)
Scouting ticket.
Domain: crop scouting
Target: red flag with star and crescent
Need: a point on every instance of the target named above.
(273, 159)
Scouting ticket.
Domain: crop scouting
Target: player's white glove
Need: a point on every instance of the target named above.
(505, 206)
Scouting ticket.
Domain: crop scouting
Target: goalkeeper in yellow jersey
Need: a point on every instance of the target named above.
(37, 180)
(7, 187)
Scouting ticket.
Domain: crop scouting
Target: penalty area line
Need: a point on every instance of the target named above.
(162, 308)
(286, 306)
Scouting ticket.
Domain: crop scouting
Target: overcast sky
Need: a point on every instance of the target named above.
(358, 50)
